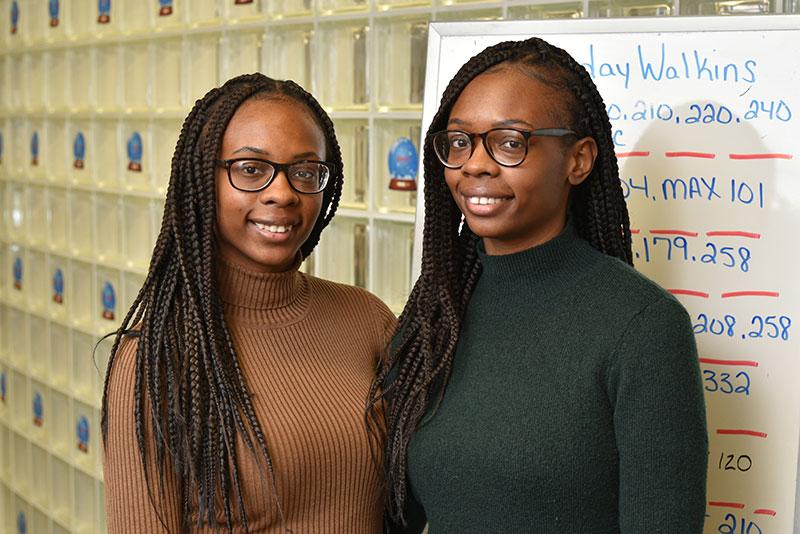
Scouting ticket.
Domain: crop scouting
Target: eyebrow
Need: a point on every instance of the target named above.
(266, 153)
(507, 122)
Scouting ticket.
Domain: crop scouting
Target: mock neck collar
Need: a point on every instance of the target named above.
(269, 299)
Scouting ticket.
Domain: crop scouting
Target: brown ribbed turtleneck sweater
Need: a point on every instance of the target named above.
(308, 349)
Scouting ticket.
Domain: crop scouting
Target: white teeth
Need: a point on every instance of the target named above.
(484, 200)
(275, 229)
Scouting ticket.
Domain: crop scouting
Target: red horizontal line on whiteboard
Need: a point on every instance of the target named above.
(724, 504)
(634, 231)
(639, 154)
(731, 233)
(765, 511)
(674, 232)
(750, 294)
(761, 156)
(739, 363)
(741, 432)
(704, 155)
(689, 292)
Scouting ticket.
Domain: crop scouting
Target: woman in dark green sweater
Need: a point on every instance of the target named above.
(539, 383)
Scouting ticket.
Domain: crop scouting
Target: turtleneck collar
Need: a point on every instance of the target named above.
(263, 299)
(548, 267)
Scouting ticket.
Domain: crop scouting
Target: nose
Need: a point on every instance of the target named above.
(480, 163)
(279, 191)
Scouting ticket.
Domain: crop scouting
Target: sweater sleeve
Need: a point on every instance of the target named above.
(130, 507)
(660, 423)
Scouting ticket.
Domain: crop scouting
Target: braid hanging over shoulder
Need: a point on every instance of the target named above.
(187, 374)
(414, 379)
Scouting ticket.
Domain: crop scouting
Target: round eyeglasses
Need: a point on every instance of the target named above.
(507, 146)
(252, 174)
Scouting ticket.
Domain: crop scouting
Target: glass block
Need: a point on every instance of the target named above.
(240, 53)
(59, 529)
(3, 140)
(34, 88)
(384, 5)
(342, 58)
(38, 364)
(353, 136)
(83, 512)
(61, 437)
(393, 256)
(165, 137)
(135, 16)
(60, 490)
(630, 8)
(79, 287)
(201, 12)
(107, 213)
(85, 438)
(727, 7)
(137, 155)
(158, 218)
(242, 9)
(55, 287)
(477, 14)
(137, 217)
(83, 370)
(397, 161)
(136, 74)
(22, 510)
(39, 413)
(37, 279)
(17, 150)
(132, 283)
(59, 21)
(202, 65)
(554, 10)
(327, 7)
(105, 17)
(106, 136)
(81, 18)
(401, 81)
(108, 65)
(287, 54)
(18, 78)
(81, 238)
(80, 65)
(57, 219)
(101, 521)
(4, 453)
(344, 249)
(101, 356)
(37, 153)
(58, 164)
(168, 14)
(289, 8)
(40, 523)
(20, 407)
(58, 79)
(15, 211)
(81, 151)
(167, 87)
(107, 300)
(59, 355)
(5, 334)
(37, 211)
(34, 19)
(16, 274)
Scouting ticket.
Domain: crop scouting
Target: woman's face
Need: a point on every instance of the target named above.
(264, 230)
(516, 208)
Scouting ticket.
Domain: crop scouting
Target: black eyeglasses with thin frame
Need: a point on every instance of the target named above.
(254, 174)
(507, 146)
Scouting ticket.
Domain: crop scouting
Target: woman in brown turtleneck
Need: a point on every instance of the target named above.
(235, 393)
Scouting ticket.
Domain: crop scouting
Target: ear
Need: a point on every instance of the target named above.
(580, 157)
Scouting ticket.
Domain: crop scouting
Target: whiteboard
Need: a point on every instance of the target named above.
(705, 113)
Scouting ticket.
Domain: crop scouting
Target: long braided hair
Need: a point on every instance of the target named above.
(414, 378)
(187, 373)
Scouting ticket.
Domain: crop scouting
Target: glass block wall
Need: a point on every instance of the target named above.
(92, 95)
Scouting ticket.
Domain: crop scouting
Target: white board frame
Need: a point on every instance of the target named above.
(513, 30)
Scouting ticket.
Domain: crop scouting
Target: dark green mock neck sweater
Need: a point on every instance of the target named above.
(575, 404)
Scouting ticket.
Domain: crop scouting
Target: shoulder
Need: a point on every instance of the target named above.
(351, 303)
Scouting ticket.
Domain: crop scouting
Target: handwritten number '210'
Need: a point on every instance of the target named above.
(745, 527)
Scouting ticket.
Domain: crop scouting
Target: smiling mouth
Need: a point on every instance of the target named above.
(273, 228)
(485, 201)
